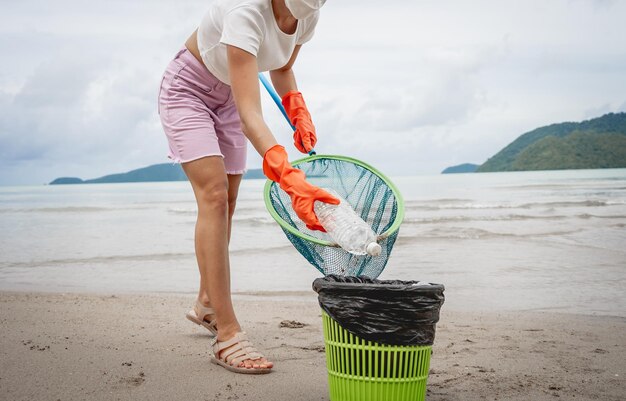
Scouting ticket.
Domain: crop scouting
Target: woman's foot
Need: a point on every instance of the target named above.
(202, 314)
(237, 354)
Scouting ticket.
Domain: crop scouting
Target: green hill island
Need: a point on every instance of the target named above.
(595, 143)
(153, 173)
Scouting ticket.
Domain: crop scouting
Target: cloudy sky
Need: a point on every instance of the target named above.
(409, 86)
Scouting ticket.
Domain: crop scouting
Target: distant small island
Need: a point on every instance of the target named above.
(595, 143)
(461, 168)
(153, 173)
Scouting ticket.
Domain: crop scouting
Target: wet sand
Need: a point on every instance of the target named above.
(140, 347)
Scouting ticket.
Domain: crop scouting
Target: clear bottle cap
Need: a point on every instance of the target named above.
(373, 249)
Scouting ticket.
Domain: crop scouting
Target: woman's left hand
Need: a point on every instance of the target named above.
(303, 194)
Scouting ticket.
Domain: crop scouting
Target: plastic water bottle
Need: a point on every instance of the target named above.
(346, 228)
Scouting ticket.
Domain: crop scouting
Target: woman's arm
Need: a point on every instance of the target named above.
(242, 67)
(283, 78)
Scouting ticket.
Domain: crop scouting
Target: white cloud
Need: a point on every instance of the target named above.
(410, 87)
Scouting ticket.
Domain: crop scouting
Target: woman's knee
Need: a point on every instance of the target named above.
(213, 198)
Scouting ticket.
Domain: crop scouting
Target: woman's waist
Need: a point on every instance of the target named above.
(192, 46)
(186, 67)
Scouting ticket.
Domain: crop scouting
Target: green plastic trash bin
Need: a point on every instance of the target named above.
(360, 370)
(374, 351)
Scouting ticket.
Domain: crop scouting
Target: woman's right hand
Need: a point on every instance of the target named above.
(293, 181)
(304, 137)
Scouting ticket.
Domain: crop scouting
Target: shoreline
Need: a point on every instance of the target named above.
(297, 296)
(140, 346)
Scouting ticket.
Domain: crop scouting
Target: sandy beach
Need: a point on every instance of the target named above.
(533, 265)
(140, 347)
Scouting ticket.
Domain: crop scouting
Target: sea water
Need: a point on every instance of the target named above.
(549, 240)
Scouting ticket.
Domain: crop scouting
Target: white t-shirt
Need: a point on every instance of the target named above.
(249, 25)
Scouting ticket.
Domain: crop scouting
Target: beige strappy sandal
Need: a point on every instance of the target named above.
(238, 349)
(197, 315)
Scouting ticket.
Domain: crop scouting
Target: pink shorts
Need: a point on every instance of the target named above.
(199, 116)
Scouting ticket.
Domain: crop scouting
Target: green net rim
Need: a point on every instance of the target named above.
(286, 226)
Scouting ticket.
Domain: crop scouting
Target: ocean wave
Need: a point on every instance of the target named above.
(534, 186)
(156, 257)
(456, 219)
(468, 233)
(73, 209)
(184, 211)
(101, 259)
(595, 216)
(261, 250)
(584, 203)
(254, 220)
(194, 210)
(508, 217)
(430, 206)
(249, 215)
(429, 201)
(64, 209)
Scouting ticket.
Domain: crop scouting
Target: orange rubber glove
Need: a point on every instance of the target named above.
(276, 167)
(304, 136)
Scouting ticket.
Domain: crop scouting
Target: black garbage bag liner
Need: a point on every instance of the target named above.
(389, 312)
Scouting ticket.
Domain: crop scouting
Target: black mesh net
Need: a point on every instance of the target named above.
(369, 196)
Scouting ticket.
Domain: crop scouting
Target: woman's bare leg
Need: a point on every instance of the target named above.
(210, 184)
(233, 190)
